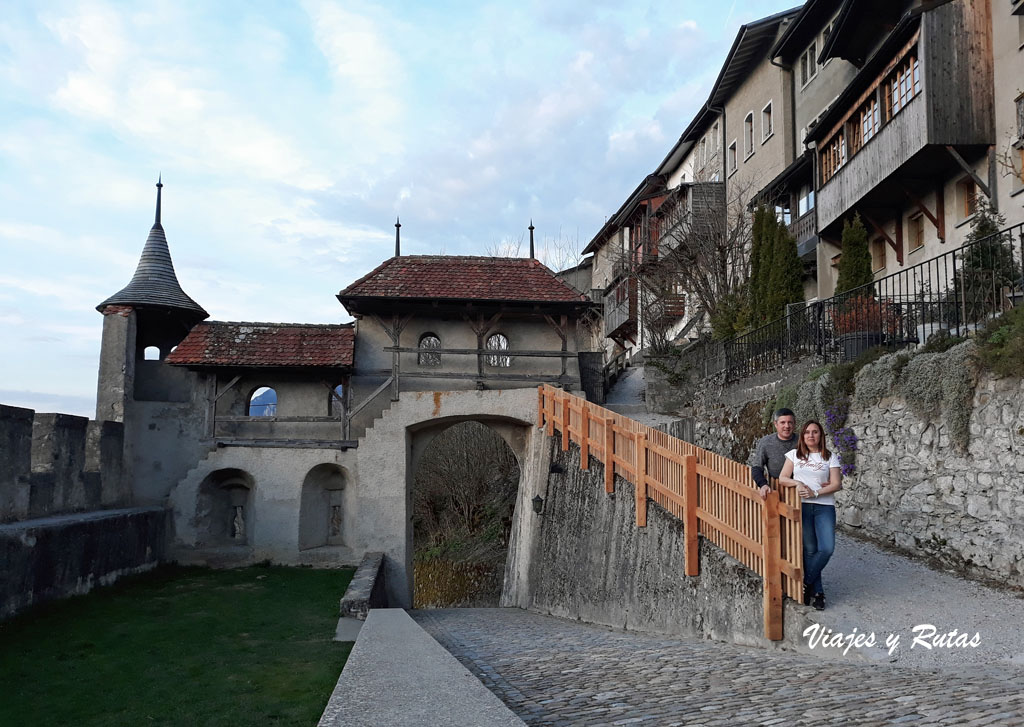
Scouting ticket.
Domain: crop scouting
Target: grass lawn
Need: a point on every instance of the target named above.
(179, 646)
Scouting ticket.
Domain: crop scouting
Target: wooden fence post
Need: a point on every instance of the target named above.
(772, 567)
(609, 455)
(565, 422)
(584, 436)
(691, 548)
(640, 468)
(549, 399)
(540, 407)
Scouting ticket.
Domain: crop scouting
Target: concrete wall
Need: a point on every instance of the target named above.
(584, 558)
(66, 555)
(57, 463)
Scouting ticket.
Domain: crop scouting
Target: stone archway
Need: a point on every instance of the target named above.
(224, 513)
(322, 506)
(463, 482)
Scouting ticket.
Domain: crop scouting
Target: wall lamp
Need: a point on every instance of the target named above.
(538, 504)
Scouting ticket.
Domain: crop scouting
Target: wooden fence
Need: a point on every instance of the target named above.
(713, 495)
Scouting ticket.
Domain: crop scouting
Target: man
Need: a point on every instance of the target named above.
(771, 449)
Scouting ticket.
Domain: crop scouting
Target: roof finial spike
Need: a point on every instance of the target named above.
(159, 186)
(398, 237)
(531, 228)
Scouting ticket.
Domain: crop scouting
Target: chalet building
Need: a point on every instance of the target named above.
(909, 142)
(731, 148)
(908, 113)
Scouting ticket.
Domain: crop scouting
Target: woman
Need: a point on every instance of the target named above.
(817, 474)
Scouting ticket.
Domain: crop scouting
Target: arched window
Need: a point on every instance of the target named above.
(151, 353)
(262, 402)
(429, 358)
(336, 401)
(498, 342)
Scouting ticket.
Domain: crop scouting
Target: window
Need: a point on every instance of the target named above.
(915, 233)
(732, 157)
(767, 125)
(966, 197)
(825, 33)
(336, 401)
(429, 358)
(262, 402)
(833, 156)
(865, 124)
(151, 353)
(902, 85)
(498, 342)
(714, 137)
(748, 135)
(878, 254)
(805, 199)
(1020, 117)
(702, 157)
(808, 64)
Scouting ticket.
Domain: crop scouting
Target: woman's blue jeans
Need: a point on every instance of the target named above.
(819, 522)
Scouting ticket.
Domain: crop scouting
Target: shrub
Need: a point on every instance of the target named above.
(855, 264)
(1002, 344)
(864, 313)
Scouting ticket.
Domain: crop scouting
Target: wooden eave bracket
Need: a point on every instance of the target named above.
(940, 227)
(970, 171)
(896, 245)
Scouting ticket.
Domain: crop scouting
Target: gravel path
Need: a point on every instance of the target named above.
(555, 672)
(875, 590)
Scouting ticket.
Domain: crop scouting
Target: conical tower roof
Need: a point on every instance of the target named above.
(154, 284)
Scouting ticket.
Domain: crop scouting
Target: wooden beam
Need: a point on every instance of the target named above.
(370, 398)
(772, 555)
(898, 247)
(939, 228)
(470, 376)
(940, 212)
(691, 548)
(986, 190)
(228, 387)
(278, 419)
(485, 351)
(879, 229)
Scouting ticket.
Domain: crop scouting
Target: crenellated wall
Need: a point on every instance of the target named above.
(52, 464)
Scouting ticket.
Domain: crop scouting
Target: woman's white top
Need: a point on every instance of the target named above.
(814, 472)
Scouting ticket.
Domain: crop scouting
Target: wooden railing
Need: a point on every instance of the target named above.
(713, 495)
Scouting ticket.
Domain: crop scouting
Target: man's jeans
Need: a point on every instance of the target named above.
(819, 523)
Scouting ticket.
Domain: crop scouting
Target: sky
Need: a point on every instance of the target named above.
(290, 136)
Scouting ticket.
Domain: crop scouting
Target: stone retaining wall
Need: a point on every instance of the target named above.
(918, 492)
(66, 555)
(587, 560)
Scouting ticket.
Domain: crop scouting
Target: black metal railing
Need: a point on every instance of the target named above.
(957, 291)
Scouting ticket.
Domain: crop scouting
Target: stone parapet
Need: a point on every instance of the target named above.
(65, 555)
(58, 463)
(366, 589)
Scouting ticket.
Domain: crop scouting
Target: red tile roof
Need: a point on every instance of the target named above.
(217, 343)
(456, 277)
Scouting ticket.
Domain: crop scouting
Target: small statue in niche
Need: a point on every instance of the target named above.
(335, 527)
(238, 524)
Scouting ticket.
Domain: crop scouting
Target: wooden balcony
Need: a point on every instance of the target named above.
(948, 103)
(620, 309)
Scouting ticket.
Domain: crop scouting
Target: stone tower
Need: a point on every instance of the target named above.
(151, 312)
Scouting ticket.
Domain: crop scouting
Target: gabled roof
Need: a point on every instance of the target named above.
(807, 24)
(265, 345)
(155, 284)
(750, 46)
(461, 278)
(651, 186)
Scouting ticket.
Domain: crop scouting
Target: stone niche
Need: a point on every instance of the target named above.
(224, 516)
(322, 509)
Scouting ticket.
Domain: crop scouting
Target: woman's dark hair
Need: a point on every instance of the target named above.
(801, 448)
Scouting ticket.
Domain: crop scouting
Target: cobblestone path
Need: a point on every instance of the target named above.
(556, 672)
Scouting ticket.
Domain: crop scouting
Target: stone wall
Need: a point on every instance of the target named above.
(65, 555)
(584, 558)
(57, 463)
(919, 490)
